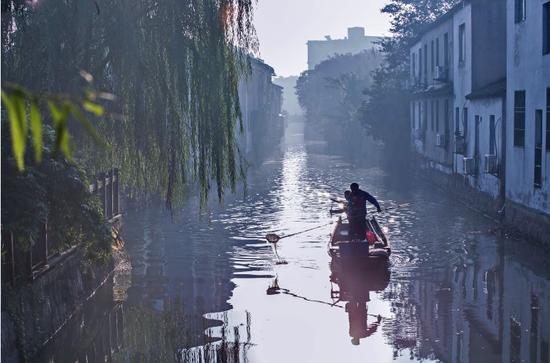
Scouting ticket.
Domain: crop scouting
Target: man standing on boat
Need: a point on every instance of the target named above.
(357, 214)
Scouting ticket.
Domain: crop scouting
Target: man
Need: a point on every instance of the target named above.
(358, 211)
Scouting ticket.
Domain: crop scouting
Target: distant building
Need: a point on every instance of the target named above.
(290, 99)
(356, 42)
(528, 110)
(260, 103)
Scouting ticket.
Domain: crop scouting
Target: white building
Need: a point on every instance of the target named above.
(528, 107)
(458, 78)
(356, 42)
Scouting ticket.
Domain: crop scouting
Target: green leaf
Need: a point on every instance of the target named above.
(79, 116)
(18, 136)
(93, 108)
(59, 117)
(36, 129)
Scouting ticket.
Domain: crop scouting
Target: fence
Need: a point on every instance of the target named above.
(20, 265)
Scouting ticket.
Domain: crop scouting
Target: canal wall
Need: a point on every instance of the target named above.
(513, 218)
(34, 313)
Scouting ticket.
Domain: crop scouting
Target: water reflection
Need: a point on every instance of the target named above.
(355, 280)
(207, 289)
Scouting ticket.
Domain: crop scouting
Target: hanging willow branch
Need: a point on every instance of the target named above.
(173, 65)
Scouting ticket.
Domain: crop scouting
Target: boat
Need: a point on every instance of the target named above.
(341, 246)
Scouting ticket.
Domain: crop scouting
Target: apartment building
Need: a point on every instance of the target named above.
(528, 124)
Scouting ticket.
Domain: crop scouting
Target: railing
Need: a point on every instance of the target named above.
(20, 265)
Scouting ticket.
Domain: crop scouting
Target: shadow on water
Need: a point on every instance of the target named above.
(208, 289)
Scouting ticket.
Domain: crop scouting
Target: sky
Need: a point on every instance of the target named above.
(284, 27)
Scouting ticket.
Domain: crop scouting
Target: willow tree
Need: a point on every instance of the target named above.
(174, 67)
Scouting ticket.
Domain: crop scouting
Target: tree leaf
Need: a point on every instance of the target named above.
(18, 137)
(93, 108)
(60, 125)
(36, 129)
(79, 116)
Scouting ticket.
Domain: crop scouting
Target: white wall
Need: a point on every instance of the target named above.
(528, 70)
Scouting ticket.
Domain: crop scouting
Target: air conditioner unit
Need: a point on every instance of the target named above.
(460, 145)
(441, 140)
(491, 164)
(469, 166)
(440, 73)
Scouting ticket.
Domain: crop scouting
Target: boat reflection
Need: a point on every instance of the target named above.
(352, 282)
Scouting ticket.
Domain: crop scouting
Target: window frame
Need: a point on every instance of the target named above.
(519, 118)
(520, 11)
(538, 149)
(462, 44)
(546, 28)
(548, 120)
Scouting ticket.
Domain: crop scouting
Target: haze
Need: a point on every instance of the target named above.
(284, 27)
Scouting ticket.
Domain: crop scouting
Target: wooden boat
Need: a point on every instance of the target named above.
(342, 247)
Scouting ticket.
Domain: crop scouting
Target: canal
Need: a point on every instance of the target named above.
(204, 286)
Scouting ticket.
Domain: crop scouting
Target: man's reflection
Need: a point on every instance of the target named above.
(358, 317)
(354, 283)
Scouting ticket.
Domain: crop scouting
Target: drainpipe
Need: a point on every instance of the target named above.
(502, 169)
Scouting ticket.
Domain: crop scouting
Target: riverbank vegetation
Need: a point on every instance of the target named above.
(174, 69)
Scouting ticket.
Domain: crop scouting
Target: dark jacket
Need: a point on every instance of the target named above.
(359, 201)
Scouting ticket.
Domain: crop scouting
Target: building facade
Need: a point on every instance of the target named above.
(355, 42)
(480, 106)
(458, 72)
(528, 107)
(260, 102)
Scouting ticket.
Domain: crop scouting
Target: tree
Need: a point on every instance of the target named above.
(385, 112)
(173, 65)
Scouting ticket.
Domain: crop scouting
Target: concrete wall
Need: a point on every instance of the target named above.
(484, 108)
(529, 70)
(34, 313)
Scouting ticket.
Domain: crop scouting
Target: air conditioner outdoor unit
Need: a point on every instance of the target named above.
(441, 140)
(469, 166)
(440, 73)
(460, 145)
(491, 164)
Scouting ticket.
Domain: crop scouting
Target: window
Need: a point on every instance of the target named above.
(437, 116)
(548, 119)
(446, 115)
(465, 121)
(420, 65)
(437, 52)
(432, 50)
(492, 135)
(432, 114)
(446, 50)
(476, 137)
(457, 121)
(413, 67)
(520, 10)
(538, 148)
(413, 115)
(425, 116)
(462, 43)
(546, 28)
(519, 118)
(425, 63)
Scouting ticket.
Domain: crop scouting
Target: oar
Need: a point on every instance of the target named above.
(274, 238)
(338, 211)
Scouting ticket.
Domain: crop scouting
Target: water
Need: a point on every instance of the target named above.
(206, 287)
